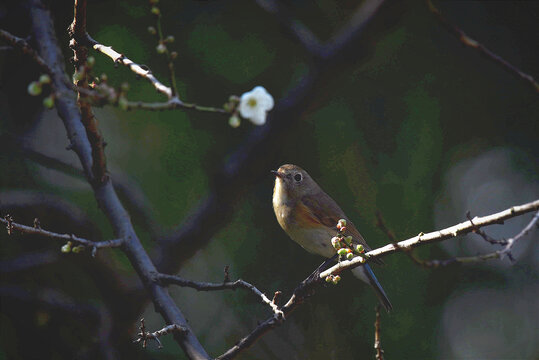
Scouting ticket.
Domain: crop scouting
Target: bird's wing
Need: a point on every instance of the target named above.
(322, 209)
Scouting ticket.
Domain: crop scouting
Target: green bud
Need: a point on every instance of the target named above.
(152, 30)
(341, 223)
(329, 278)
(359, 248)
(342, 252)
(349, 256)
(155, 10)
(78, 249)
(66, 248)
(45, 79)
(169, 39)
(48, 102)
(161, 48)
(34, 88)
(336, 279)
(90, 61)
(362, 259)
(234, 121)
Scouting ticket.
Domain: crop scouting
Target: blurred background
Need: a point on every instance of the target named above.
(409, 122)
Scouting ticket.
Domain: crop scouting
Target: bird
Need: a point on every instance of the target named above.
(310, 216)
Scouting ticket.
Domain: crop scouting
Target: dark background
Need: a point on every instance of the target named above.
(410, 123)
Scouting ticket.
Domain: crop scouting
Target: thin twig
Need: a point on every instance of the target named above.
(94, 245)
(229, 285)
(173, 104)
(447, 233)
(468, 41)
(484, 235)
(379, 352)
(143, 336)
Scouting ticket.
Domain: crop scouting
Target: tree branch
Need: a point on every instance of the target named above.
(226, 285)
(105, 195)
(468, 41)
(447, 233)
(36, 230)
(21, 45)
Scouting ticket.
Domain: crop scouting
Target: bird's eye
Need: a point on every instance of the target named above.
(297, 177)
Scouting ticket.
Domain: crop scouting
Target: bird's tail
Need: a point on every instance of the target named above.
(365, 273)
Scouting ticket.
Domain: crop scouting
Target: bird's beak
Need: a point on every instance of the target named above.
(276, 173)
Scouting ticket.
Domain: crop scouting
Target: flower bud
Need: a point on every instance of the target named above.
(349, 256)
(336, 279)
(66, 248)
(329, 278)
(169, 39)
(234, 121)
(161, 48)
(341, 224)
(152, 30)
(336, 242)
(359, 249)
(173, 55)
(342, 252)
(48, 102)
(34, 88)
(78, 249)
(45, 79)
(155, 10)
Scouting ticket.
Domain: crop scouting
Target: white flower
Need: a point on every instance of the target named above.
(255, 104)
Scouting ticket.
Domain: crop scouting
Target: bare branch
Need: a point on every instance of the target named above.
(94, 245)
(468, 41)
(105, 195)
(447, 233)
(229, 285)
(21, 45)
(173, 104)
(483, 234)
(144, 336)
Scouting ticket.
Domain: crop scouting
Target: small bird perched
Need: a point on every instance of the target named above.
(310, 216)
